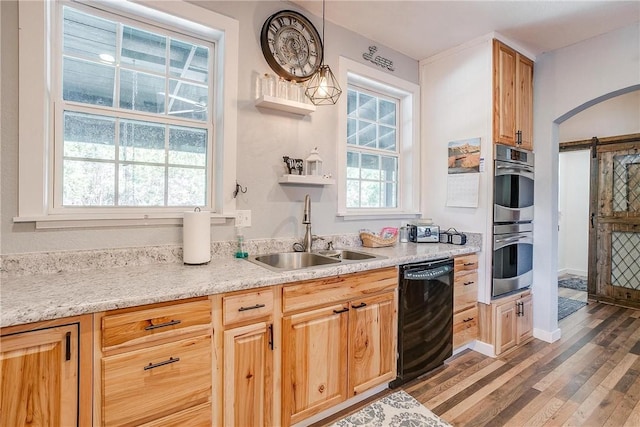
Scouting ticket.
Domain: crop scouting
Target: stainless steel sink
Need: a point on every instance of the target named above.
(292, 260)
(347, 254)
(287, 261)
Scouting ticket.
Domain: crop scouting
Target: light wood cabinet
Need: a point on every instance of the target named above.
(512, 97)
(247, 365)
(154, 365)
(465, 295)
(41, 378)
(507, 322)
(338, 339)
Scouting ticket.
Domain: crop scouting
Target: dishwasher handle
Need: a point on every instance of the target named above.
(422, 273)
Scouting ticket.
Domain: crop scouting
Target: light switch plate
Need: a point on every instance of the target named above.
(243, 218)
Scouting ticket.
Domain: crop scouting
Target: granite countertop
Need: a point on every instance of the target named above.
(26, 299)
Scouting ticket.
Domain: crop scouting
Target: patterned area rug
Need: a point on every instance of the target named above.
(567, 306)
(395, 410)
(573, 283)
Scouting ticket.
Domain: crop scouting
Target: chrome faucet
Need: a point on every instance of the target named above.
(306, 219)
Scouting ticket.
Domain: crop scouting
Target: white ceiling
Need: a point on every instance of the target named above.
(422, 28)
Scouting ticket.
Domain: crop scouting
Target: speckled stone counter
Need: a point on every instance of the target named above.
(26, 299)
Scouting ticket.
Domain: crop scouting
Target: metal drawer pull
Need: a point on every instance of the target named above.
(166, 362)
(364, 304)
(467, 320)
(253, 307)
(344, 310)
(468, 283)
(163, 325)
(467, 264)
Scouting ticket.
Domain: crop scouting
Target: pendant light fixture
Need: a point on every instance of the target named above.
(322, 87)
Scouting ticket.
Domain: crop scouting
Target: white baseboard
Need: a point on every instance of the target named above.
(547, 336)
(484, 348)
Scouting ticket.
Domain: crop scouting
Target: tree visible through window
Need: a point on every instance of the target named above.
(135, 115)
(372, 150)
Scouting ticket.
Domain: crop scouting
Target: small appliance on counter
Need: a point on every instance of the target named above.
(424, 232)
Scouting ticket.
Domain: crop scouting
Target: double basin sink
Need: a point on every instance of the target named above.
(287, 261)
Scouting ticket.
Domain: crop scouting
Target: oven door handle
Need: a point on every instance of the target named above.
(501, 243)
(510, 170)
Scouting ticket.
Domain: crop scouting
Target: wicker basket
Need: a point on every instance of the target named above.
(372, 241)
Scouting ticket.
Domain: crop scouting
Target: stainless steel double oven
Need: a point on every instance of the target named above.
(512, 220)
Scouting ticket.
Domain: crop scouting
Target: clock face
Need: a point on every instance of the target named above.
(291, 45)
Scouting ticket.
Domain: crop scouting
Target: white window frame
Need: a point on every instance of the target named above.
(35, 123)
(363, 76)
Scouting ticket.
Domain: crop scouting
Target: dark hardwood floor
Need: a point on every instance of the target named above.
(590, 377)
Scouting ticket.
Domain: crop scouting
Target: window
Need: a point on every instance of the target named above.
(378, 151)
(139, 112)
(372, 150)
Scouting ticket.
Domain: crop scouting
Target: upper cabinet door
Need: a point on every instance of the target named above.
(512, 97)
(524, 101)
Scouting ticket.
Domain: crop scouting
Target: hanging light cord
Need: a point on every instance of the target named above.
(322, 61)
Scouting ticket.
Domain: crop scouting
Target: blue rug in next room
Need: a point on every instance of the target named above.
(576, 283)
(567, 306)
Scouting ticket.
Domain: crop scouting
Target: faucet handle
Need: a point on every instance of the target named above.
(330, 246)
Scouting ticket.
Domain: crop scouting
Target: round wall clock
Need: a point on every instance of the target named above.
(291, 45)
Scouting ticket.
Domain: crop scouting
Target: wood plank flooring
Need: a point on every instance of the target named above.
(590, 377)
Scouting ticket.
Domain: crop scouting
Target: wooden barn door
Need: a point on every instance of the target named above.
(614, 253)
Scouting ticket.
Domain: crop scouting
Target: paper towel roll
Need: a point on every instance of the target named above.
(196, 237)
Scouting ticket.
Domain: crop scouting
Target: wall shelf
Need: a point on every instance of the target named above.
(305, 180)
(285, 105)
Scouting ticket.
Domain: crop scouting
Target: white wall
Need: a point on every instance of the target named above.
(573, 204)
(264, 136)
(567, 81)
(456, 89)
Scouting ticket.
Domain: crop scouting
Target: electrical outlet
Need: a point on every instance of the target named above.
(243, 218)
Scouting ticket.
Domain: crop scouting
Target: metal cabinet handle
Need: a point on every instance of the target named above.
(166, 362)
(468, 320)
(344, 310)
(253, 307)
(271, 336)
(467, 264)
(364, 304)
(68, 346)
(468, 283)
(163, 325)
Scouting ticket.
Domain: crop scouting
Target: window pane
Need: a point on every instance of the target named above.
(389, 168)
(187, 146)
(387, 112)
(370, 167)
(187, 187)
(389, 195)
(353, 165)
(88, 82)
(352, 100)
(367, 107)
(141, 92)
(88, 36)
(187, 100)
(140, 185)
(86, 183)
(89, 136)
(352, 125)
(143, 50)
(142, 142)
(189, 61)
(370, 194)
(367, 134)
(387, 138)
(353, 193)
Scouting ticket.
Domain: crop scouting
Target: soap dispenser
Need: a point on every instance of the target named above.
(240, 249)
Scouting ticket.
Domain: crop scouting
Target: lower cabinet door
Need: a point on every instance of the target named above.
(372, 342)
(248, 371)
(506, 327)
(143, 385)
(197, 416)
(39, 378)
(314, 361)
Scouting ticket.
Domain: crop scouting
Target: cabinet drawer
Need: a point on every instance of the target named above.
(315, 293)
(143, 385)
(465, 263)
(247, 306)
(465, 292)
(198, 416)
(465, 327)
(143, 325)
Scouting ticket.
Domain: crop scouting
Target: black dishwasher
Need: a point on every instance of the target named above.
(425, 318)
